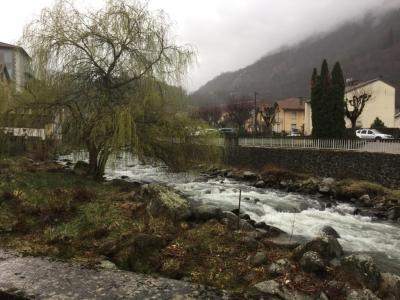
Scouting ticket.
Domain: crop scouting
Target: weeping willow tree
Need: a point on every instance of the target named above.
(109, 75)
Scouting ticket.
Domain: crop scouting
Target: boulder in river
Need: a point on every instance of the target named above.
(312, 262)
(326, 186)
(329, 231)
(206, 212)
(327, 247)
(366, 201)
(260, 184)
(164, 201)
(394, 213)
(247, 175)
(363, 269)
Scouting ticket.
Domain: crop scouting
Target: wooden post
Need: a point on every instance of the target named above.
(240, 200)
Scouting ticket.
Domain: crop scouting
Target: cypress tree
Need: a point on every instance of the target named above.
(338, 129)
(325, 105)
(315, 102)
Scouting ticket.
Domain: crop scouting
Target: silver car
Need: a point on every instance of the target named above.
(372, 134)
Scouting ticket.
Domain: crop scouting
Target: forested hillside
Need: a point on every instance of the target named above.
(367, 49)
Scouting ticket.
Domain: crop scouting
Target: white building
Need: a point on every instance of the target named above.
(381, 105)
(17, 62)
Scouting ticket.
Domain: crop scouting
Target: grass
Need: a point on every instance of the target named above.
(46, 211)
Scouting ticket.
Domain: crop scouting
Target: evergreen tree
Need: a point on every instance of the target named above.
(325, 106)
(315, 102)
(338, 126)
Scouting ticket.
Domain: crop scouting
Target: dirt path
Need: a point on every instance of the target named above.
(41, 278)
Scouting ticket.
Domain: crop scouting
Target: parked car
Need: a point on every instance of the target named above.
(372, 134)
(294, 133)
(227, 130)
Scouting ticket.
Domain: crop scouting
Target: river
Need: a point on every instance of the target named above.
(304, 215)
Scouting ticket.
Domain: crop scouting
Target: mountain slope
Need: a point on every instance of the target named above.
(366, 50)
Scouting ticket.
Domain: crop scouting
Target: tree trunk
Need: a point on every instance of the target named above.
(97, 161)
(353, 124)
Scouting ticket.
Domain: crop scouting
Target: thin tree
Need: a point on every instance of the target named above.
(239, 112)
(109, 72)
(355, 104)
(268, 115)
(211, 114)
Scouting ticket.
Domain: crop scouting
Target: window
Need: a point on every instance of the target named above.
(370, 132)
(293, 115)
(363, 131)
(293, 126)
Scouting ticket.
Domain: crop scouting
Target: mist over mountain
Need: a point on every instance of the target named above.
(366, 49)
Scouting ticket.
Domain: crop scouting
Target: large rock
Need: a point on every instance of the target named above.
(390, 286)
(365, 200)
(164, 201)
(260, 184)
(312, 262)
(249, 175)
(273, 290)
(394, 213)
(363, 269)
(279, 267)
(361, 295)
(329, 231)
(206, 212)
(258, 259)
(327, 247)
(327, 186)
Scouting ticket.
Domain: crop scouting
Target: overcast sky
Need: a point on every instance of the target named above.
(228, 34)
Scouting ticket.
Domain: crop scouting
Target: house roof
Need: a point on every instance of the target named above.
(9, 46)
(362, 84)
(292, 104)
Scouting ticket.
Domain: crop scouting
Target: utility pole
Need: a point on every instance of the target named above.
(255, 112)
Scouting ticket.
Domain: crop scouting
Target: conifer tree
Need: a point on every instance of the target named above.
(338, 126)
(315, 102)
(325, 102)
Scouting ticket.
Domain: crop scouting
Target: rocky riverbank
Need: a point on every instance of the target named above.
(371, 199)
(49, 210)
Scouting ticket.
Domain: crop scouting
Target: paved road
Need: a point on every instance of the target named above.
(41, 278)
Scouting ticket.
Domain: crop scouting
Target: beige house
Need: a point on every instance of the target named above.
(290, 115)
(381, 105)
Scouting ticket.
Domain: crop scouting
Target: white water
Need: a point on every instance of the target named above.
(288, 211)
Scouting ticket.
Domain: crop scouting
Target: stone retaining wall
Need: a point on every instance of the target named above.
(378, 167)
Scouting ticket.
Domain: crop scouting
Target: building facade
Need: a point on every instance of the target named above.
(381, 104)
(17, 63)
(290, 116)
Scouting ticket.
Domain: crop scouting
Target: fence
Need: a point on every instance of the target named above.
(383, 146)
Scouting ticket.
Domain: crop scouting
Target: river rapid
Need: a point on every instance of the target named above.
(304, 215)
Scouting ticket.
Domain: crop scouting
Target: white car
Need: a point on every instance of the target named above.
(372, 134)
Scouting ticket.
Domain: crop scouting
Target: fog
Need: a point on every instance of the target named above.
(227, 34)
